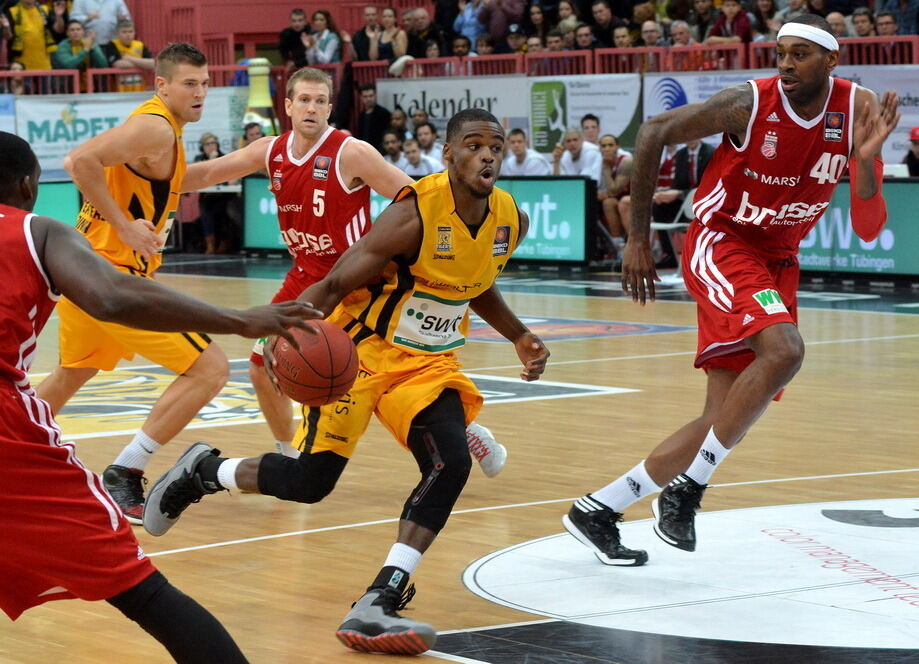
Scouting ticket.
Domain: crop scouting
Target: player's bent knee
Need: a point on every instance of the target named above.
(307, 479)
(438, 441)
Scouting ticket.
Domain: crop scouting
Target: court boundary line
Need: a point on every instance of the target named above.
(589, 297)
(348, 526)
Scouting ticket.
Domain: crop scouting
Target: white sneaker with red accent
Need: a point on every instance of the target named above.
(490, 454)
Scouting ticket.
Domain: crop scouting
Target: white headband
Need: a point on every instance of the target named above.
(810, 33)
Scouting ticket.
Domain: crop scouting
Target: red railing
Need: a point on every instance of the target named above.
(899, 50)
(115, 79)
(30, 82)
(563, 63)
(491, 65)
(630, 60)
(701, 57)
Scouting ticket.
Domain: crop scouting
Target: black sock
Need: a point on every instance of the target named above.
(185, 628)
(391, 577)
(207, 468)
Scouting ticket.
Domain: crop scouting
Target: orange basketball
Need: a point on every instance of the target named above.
(322, 370)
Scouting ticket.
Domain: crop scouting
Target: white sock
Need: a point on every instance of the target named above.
(404, 557)
(285, 448)
(628, 489)
(710, 455)
(226, 473)
(138, 452)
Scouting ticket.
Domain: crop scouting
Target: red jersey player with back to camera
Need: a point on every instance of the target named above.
(321, 178)
(786, 142)
(63, 534)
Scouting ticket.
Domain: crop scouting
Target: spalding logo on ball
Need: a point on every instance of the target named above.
(322, 370)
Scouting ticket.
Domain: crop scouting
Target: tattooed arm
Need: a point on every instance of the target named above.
(726, 112)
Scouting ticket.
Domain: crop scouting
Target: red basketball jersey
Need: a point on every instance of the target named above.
(320, 216)
(27, 299)
(771, 190)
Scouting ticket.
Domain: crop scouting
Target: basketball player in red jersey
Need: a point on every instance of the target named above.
(63, 535)
(321, 178)
(786, 142)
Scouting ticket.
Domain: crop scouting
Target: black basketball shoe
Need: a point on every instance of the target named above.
(675, 510)
(126, 486)
(593, 524)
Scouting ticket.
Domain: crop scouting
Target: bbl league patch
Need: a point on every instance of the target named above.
(832, 126)
(770, 145)
(321, 168)
(502, 241)
(444, 239)
(276, 181)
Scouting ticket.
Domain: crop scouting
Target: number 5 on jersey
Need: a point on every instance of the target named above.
(318, 202)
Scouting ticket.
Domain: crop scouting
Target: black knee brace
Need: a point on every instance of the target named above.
(307, 479)
(438, 440)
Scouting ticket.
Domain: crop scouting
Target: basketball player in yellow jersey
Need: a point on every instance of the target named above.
(437, 251)
(130, 177)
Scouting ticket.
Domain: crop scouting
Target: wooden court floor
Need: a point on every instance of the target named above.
(281, 576)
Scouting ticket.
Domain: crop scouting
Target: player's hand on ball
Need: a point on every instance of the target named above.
(277, 319)
(533, 353)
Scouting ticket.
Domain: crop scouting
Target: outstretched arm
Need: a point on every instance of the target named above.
(396, 233)
(494, 310)
(76, 271)
(237, 164)
(726, 112)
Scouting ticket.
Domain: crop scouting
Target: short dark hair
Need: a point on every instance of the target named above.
(72, 21)
(18, 162)
(890, 14)
(464, 38)
(426, 124)
(297, 12)
(813, 20)
(178, 53)
(366, 86)
(555, 32)
(468, 115)
(517, 132)
(393, 132)
(590, 116)
(605, 3)
(864, 11)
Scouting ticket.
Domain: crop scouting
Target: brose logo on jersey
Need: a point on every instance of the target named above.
(298, 241)
(789, 214)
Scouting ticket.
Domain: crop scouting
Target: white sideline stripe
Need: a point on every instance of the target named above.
(525, 623)
(348, 526)
(648, 356)
(454, 658)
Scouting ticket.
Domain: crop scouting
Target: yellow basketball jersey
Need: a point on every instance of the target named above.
(423, 307)
(139, 198)
(130, 82)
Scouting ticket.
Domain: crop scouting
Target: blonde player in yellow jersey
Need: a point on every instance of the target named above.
(437, 251)
(130, 177)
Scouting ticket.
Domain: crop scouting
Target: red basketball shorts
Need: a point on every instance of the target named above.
(738, 293)
(295, 283)
(62, 534)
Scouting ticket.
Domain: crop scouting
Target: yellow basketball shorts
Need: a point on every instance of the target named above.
(89, 343)
(392, 384)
